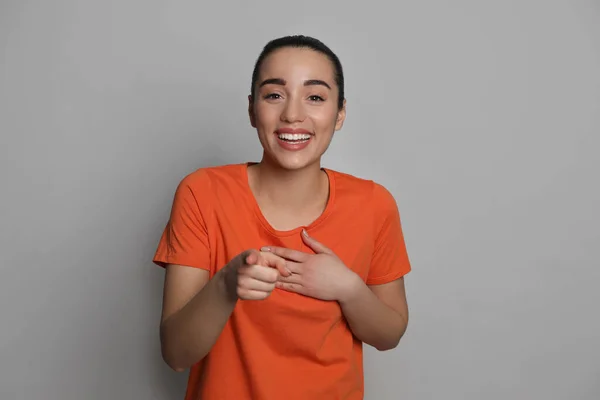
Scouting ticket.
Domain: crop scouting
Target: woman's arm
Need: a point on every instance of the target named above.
(195, 311)
(377, 314)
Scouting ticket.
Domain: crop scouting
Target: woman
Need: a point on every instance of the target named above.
(278, 271)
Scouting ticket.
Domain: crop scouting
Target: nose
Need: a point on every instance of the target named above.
(292, 112)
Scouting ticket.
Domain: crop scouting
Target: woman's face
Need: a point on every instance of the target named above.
(295, 109)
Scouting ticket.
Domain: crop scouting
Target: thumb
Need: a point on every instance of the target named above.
(274, 261)
(250, 257)
(314, 244)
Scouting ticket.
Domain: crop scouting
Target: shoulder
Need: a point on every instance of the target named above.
(383, 198)
(377, 194)
(349, 186)
(198, 189)
(211, 177)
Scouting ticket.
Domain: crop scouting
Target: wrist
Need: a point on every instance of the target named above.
(352, 289)
(226, 280)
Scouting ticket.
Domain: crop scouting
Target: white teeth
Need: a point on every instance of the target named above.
(294, 136)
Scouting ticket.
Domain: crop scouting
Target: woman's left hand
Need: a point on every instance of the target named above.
(322, 275)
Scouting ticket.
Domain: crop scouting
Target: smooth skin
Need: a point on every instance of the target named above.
(295, 89)
(377, 315)
(196, 309)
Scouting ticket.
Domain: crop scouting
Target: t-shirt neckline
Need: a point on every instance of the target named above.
(263, 220)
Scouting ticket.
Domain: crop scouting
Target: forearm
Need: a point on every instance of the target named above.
(372, 321)
(189, 334)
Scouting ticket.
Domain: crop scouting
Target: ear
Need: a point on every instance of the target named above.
(341, 117)
(251, 111)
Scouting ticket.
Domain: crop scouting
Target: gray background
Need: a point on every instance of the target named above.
(483, 119)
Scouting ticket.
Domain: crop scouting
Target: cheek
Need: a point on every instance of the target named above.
(324, 119)
(266, 115)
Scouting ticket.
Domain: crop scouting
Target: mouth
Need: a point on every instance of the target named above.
(293, 139)
(295, 136)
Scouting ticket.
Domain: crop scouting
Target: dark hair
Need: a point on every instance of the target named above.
(301, 41)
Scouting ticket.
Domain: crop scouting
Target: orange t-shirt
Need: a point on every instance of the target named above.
(288, 346)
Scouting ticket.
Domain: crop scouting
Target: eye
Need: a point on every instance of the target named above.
(316, 98)
(273, 96)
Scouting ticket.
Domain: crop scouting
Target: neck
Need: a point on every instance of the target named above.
(294, 189)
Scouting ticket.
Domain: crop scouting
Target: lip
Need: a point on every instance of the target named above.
(293, 130)
(290, 146)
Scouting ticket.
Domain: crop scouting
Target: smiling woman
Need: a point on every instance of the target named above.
(278, 271)
(297, 102)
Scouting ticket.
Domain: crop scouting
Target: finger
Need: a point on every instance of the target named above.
(291, 287)
(249, 283)
(274, 261)
(246, 294)
(251, 257)
(294, 267)
(261, 273)
(286, 253)
(314, 244)
(293, 278)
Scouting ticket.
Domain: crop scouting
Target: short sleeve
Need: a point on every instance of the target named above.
(390, 258)
(184, 240)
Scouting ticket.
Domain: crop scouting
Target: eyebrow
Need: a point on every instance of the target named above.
(282, 82)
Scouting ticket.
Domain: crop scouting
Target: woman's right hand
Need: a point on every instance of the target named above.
(252, 274)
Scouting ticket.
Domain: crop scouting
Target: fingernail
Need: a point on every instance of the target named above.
(304, 232)
(265, 249)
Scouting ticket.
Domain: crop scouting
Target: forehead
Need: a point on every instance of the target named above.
(297, 63)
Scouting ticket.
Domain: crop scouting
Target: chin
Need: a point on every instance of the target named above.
(293, 162)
